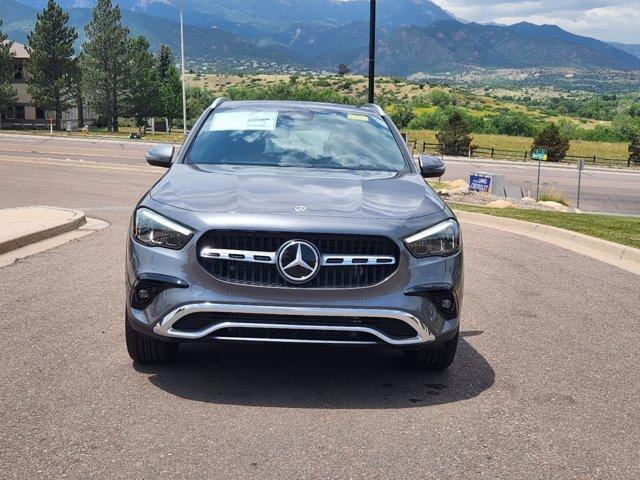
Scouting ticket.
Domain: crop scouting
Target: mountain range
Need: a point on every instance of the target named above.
(413, 35)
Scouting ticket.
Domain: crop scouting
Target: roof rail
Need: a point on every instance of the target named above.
(218, 101)
(373, 107)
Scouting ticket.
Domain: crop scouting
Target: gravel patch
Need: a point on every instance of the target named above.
(483, 199)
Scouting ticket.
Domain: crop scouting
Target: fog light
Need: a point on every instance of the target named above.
(143, 294)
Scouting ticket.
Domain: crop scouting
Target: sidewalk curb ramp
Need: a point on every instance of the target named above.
(622, 256)
(26, 225)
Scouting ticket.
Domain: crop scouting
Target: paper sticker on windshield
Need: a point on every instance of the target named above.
(251, 120)
(359, 118)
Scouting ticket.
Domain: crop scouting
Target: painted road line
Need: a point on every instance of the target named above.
(83, 153)
(82, 164)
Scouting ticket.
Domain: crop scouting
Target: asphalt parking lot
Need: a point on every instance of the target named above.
(546, 383)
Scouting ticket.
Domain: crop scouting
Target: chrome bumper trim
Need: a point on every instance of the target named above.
(291, 340)
(165, 326)
(328, 260)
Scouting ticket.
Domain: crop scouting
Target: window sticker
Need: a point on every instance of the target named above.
(359, 118)
(250, 120)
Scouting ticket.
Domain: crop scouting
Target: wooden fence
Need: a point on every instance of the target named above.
(492, 152)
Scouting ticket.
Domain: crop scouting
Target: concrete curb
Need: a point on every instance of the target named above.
(73, 220)
(627, 258)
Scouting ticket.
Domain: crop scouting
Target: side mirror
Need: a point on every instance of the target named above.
(160, 156)
(431, 167)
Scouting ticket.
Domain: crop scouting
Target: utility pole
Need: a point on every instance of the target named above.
(184, 78)
(372, 51)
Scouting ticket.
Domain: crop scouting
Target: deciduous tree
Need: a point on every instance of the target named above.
(171, 96)
(51, 69)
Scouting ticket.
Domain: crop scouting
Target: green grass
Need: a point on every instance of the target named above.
(619, 150)
(623, 230)
(438, 185)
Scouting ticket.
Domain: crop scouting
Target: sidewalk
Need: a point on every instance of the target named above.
(23, 226)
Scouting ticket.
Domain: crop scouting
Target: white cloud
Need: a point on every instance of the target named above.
(611, 20)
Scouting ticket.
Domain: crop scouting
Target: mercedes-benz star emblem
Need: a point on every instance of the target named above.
(298, 261)
(299, 208)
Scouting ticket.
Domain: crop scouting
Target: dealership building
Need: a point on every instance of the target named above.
(24, 115)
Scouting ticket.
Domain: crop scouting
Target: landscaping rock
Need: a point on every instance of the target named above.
(444, 192)
(459, 183)
(527, 199)
(501, 204)
(460, 191)
(555, 205)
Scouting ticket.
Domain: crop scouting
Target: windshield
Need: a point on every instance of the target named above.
(303, 137)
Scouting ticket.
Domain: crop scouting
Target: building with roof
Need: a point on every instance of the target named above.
(24, 115)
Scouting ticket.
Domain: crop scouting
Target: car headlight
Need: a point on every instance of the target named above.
(154, 230)
(440, 240)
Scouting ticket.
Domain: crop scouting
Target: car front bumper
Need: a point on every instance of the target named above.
(403, 297)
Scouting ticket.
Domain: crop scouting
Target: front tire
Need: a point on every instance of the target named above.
(145, 349)
(432, 357)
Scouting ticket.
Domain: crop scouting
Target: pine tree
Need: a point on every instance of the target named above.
(51, 69)
(106, 70)
(553, 141)
(454, 138)
(343, 69)
(634, 148)
(144, 101)
(8, 94)
(165, 61)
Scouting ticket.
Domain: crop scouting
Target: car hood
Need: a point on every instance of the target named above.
(280, 190)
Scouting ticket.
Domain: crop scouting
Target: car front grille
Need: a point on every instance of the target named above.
(391, 327)
(329, 276)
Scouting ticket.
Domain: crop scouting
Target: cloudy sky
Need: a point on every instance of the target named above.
(612, 20)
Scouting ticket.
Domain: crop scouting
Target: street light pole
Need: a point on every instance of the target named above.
(184, 79)
(372, 51)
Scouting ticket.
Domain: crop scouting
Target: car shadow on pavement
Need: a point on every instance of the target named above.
(295, 376)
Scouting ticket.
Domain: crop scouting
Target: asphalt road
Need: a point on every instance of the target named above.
(545, 385)
(610, 191)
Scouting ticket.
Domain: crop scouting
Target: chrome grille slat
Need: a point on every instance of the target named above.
(359, 261)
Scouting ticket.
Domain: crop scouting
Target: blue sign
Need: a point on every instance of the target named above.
(480, 182)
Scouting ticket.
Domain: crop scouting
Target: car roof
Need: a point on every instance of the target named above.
(333, 107)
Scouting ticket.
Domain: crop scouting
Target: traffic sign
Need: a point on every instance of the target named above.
(539, 154)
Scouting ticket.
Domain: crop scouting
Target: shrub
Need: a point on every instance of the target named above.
(402, 114)
(454, 137)
(634, 148)
(286, 91)
(513, 124)
(428, 121)
(552, 140)
(440, 98)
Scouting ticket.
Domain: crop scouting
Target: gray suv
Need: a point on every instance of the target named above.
(294, 222)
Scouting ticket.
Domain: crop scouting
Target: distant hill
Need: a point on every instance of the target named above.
(213, 43)
(627, 47)
(413, 35)
(451, 45)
